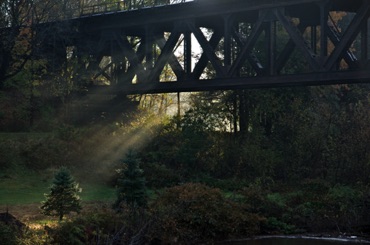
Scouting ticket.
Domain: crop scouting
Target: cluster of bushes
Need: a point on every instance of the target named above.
(190, 213)
(313, 206)
(8, 235)
(38, 151)
(196, 213)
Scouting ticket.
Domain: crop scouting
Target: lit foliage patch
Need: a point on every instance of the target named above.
(63, 197)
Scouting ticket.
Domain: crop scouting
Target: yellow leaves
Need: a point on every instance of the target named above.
(22, 45)
(196, 212)
(337, 16)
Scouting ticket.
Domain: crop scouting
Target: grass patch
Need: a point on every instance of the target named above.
(21, 190)
(97, 192)
(27, 188)
(24, 135)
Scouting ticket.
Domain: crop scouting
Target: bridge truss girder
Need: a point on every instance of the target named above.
(236, 49)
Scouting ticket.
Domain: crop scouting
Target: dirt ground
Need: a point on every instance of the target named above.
(25, 213)
(31, 213)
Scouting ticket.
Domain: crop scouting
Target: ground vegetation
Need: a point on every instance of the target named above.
(233, 164)
(63, 197)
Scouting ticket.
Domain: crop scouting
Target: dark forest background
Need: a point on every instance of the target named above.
(264, 161)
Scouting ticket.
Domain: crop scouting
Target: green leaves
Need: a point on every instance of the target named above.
(131, 188)
(63, 197)
(197, 213)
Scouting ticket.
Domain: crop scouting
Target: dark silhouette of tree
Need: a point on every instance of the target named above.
(131, 188)
(63, 197)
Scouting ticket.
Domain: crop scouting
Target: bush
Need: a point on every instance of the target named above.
(275, 225)
(100, 225)
(312, 216)
(346, 206)
(275, 205)
(193, 213)
(68, 233)
(89, 228)
(39, 154)
(254, 197)
(10, 155)
(33, 237)
(8, 235)
(339, 207)
(159, 176)
(232, 184)
(315, 188)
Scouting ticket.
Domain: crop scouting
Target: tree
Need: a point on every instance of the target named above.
(131, 183)
(27, 61)
(63, 197)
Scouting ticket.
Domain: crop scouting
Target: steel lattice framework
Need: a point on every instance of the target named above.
(229, 44)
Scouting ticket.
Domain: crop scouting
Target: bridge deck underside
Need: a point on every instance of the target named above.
(205, 45)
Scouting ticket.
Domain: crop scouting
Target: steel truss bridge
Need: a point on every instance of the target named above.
(218, 44)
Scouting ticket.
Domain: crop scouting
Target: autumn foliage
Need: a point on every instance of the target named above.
(192, 213)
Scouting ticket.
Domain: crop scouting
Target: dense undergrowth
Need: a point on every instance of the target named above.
(303, 167)
(195, 213)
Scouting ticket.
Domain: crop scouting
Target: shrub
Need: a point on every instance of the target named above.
(311, 215)
(159, 176)
(8, 235)
(315, 188)
(67, 133)
(39, 154)
(232, 184)
(10, 155)
(68, 233)
(346, 205)
(275, 205)
(254, 197)
(275, 225)
(100, 225)
(33, 236)
(195, 213)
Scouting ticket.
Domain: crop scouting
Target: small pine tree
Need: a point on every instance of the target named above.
(131, 183)
(63, 197)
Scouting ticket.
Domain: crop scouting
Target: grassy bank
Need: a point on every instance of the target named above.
(27, 188)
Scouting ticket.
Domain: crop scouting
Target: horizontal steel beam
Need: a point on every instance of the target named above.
(309, 79)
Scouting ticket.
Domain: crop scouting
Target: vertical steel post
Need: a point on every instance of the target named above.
(324, 14)
(187, 54)
(314, 39)
(148, 41)
(271, 46)
(227, 41)
(365, 42)
(115, 60)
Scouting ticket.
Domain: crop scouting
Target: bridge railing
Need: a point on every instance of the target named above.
(124, 5)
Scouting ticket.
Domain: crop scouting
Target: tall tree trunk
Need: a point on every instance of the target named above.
(161, 104)
(178, 110)
(243, 112)
(235, 113)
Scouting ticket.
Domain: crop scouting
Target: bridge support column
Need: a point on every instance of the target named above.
(271, 46)
(149, 52)
(324, 13)
(187, 54)
(365, 41)
(227, 41)
(314, 39)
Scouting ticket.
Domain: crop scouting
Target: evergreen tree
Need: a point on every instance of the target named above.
(131, 183)
(63, 197)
